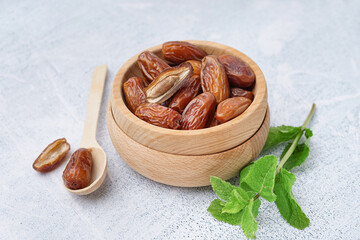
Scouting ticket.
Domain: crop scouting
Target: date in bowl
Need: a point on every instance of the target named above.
(188, 158)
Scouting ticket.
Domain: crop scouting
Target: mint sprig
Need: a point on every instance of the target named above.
(268, 178)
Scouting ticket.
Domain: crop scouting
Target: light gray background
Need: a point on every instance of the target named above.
(308, 50)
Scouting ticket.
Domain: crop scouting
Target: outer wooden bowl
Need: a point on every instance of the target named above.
(196, 142)
(183, 170)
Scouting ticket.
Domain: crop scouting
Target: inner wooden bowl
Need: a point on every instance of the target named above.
(184, 142)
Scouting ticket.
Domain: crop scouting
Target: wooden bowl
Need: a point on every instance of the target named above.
(184, 170)
(195, 142)
(188, 157)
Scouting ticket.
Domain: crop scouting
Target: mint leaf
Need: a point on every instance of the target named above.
(222, 188)
(248, 222)
(261, 176)
(299, 156)
(308, 133)
(256, 206)
(243, 173)
(238, 200)
(285, 201)
(215, 209)
(280, 134)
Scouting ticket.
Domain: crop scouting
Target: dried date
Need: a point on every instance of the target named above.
(213, 122)
(196, 66)
(134, 93)
(182, 97)
(239, 72)
(214, 79)
(168, 82)
(166, 103)
(231, 108)
(179, 51)
(52, 155)
(151, 65)
(77, 173)
(238, 92)
(198, 111)
(159, 115)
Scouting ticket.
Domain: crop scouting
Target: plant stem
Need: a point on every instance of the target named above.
(296, 140)
(294, 144)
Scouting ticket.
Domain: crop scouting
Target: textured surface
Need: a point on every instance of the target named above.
(309, 52)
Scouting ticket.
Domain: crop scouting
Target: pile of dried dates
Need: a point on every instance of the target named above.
(189, 89)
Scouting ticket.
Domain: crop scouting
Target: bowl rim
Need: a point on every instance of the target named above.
(259, 103)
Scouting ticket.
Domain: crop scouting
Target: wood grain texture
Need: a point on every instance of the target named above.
(182, 170)
(194, 142)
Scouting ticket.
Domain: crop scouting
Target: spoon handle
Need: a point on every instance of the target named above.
(93, 108)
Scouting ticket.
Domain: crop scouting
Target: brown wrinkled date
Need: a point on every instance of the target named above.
(159, 115)
(151, 65)
(212, 122)
(185, 94)
(198, 111)
(134, 93)
(238, 92)
(52, 155)
(239, 72)
(77, 173)
(168, 82)
(178, 52)
(231, 108)
(166, 103)
(196, 66)
(214, 79)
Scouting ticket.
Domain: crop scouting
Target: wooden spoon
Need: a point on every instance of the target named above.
(89, 136)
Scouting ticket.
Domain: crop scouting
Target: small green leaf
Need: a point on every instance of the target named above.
(248, 222)
(261, 176)
(299, 156)
(222, 188)
(308, 133)
(238, 200)
(280, 134)
(216, 208)
(286, 202)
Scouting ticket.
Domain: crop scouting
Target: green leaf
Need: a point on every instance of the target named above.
(216, 208)
(256, 206)
(280, 134)
(243, 173)
(248, 222)
(222, 188)
(299, 156)
(261, 176)
(286, 202)
(238, 200)
(308, 133)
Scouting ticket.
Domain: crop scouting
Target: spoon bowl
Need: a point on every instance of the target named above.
(98, 172)
(99, 167)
